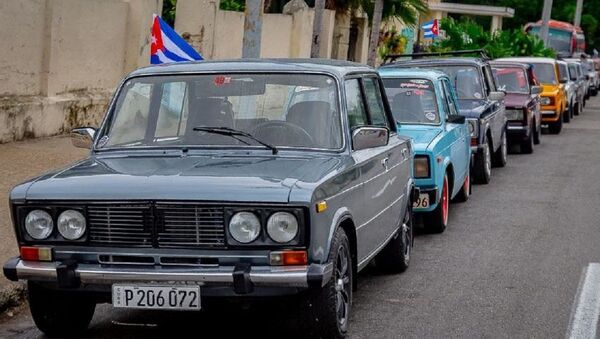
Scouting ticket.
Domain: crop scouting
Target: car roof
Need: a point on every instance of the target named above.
(537, 60)
(429, 74)
(572, 60)
(336, 67)
(438, 61)
(510, 63)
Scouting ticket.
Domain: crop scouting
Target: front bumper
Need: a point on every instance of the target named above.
(432, 192)
(241, 277)
(550, 114)
(517, 132)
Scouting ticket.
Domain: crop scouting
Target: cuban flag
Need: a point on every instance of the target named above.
(167, 46)
(431, 29)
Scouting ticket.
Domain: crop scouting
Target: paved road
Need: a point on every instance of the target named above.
(509, 265)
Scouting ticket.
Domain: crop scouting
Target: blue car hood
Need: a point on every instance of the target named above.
(201, 178)
(421, 136)
(472, 108)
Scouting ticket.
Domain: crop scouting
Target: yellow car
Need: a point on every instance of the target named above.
(553, 97)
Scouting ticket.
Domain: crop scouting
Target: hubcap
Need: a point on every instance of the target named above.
(342, 287)
(504, 148)
(445, 202)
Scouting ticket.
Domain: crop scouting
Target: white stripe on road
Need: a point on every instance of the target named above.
(584, 317)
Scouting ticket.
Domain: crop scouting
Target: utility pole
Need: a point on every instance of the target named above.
(578, 10)
(317, 28)
(375, 27)
(252, 28)
(546, 14)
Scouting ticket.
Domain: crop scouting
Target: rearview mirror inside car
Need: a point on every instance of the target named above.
(369, 137)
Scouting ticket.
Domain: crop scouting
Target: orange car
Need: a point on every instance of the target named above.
(553, 97)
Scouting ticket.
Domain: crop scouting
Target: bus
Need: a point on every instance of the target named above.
(564, 38)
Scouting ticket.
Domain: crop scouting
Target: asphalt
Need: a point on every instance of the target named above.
(508, 266)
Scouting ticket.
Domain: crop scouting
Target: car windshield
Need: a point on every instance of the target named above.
(559, 40)
(573, 71)
(545, 73)
(412, 100)
(282, 110)
(466, 80)
(511, 79)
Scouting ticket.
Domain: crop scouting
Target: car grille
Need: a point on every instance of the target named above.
(156, 225)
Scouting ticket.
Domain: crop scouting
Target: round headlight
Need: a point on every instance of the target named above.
(282, 227)
(244, 227)
(71, 224)
(39, 224)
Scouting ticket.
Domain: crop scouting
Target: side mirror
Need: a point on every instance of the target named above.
(456, 119)
(497, 96)
(369, 137)
(83, 137)
(536, 89)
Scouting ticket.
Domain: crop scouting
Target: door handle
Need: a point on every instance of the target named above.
(384, 163)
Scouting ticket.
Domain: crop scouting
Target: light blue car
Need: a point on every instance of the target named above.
(425, 107)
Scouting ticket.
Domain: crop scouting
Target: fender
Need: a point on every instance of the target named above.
(443, 169)
(342, 214)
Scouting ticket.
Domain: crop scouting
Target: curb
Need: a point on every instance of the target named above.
(11, 295)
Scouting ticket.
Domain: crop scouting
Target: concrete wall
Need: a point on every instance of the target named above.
(63, 58)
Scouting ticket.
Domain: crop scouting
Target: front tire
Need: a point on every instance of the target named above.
(567, 115)
(437, 220)
(395, 257)
(527, 144)
(556, 127)
(501, 155)
(59, 313)
(538, 132)
(465, 191)
(327, 310)
(578, 109)
(483, 166)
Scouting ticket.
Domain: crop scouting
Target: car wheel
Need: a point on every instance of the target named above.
(58, 313)
(483, 166)
(537, 133)
(437, 220)
(567, 115)
(501, 154)
(465, 191)
(556, 127)
(327, 310)
(578, 108)
(527, 144)
(395, 257)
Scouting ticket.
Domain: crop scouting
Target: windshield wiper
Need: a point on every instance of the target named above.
(235, 133)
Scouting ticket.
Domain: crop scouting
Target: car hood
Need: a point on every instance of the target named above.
(203, 178)
(550, 90)
(421, 135)
(516, 100)
(472, 108)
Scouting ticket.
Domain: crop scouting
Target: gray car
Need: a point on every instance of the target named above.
(578, 78)
(226, 179)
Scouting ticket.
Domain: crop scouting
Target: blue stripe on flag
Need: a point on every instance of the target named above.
(182, 44)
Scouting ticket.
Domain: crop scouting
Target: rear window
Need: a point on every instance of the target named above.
(545, 73)
(412, 100)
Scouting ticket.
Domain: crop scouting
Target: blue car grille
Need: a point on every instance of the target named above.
(159, 225)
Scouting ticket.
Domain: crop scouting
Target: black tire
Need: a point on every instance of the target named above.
(59, 313)
(482, 167)
(437, 220)
(537, 133)
(555, 127)
(501, 154)
(527, 144)
(567, 115)
(594, 92)
(320, 309)
(465, 191)
(395, 257)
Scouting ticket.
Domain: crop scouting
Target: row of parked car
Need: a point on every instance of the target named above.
(248, 179)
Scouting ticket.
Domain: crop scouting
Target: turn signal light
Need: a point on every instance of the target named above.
(474, 142)
(289, 258)
(30, 253)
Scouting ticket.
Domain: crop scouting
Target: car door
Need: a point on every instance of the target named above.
(383, 172)
(498, 115)
(460, 150)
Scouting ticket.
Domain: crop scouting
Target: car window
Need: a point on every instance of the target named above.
(412, 101)
(130, 125)
(573, 71)
(357, 114)
(449, 94)
(511, 79)
(375, 102)
(173, 110)
(545, 73)
(563, 71)
(466, 80)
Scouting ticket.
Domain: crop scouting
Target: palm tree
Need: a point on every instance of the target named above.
(406, 10)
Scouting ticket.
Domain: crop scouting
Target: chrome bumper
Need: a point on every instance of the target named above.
(313, 275)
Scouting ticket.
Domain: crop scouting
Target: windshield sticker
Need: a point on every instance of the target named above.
(221, 80)
(477, 95)
(414, 85)
(430, 116)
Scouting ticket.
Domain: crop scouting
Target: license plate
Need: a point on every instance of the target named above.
(156, 297)
(422, 202)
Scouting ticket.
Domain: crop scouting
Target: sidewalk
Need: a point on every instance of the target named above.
(18, 162)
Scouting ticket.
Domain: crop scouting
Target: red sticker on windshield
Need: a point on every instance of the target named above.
(221, 80)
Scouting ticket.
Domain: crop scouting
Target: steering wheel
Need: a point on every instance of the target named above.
(281, 130)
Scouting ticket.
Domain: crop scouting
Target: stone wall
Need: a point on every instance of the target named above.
(64, 58)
